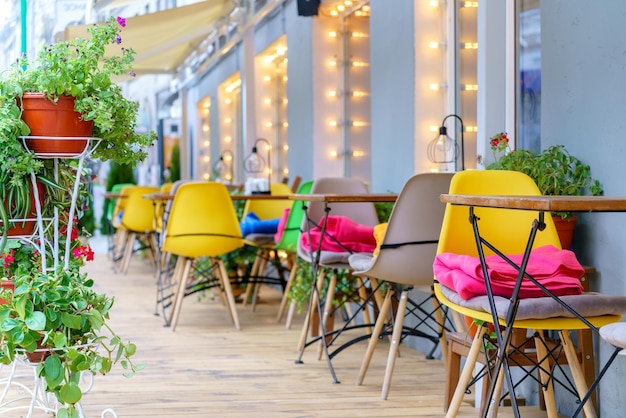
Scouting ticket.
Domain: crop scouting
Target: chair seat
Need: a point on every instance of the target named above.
(587, 304)
(361, 262)
(615, 334)
(259, 239)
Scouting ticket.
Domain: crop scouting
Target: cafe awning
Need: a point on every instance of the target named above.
(162, 40)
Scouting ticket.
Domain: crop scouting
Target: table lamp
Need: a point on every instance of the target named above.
(254, 164)
(443, 149)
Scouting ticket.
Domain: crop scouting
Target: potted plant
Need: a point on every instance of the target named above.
(53, 308)
(84, 69)
(556, 172)
(58, 314)
(81, 69)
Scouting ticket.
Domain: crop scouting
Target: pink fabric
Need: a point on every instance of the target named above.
(353, 236)
(558, 270)
(281, 225)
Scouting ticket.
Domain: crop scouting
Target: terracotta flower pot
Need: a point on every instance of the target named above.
(47, 119)
(25, 228)
(565, 230)
(6, 284)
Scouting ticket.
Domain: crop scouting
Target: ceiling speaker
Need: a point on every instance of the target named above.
(308, 7)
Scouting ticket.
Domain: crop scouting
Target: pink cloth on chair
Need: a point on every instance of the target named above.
(558, 270)
(353, 237)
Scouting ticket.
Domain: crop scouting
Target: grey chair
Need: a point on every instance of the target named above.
(405, 261)
(363, 213)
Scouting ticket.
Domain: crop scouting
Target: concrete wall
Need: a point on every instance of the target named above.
(583, 90)
(392, 57)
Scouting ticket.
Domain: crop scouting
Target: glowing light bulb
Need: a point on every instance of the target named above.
(207, 143)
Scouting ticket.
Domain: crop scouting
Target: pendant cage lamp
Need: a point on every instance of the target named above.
(254, 164)
(224, 167)
(445, 150)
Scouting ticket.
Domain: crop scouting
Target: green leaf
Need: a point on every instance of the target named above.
(130, 349)
(71, 321)
(70, 393)
(36, 321)
(53, 371)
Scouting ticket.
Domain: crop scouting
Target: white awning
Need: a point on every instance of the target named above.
(164, 39)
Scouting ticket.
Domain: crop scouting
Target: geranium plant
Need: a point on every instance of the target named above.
(554, 169)
(57, 312)
(83, 68)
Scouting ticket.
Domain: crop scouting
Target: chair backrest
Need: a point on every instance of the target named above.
(289, 239)
(167, 187)
(363, 213)
(410, 243)
(116, 205)
(506, 229)
(202, 221)
(270, 209)
(139, 212)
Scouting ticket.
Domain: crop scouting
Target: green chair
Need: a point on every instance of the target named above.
(289, 243)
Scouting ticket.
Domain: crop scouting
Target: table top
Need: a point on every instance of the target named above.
(541, 203)
(168, 196)
(330, 198)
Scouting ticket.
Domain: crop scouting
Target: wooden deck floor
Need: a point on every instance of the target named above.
(207, 368)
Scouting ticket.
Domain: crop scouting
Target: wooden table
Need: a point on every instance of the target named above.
(168, 196)
(541, 204)
(336, 198)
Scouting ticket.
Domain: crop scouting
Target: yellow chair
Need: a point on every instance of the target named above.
(202, 224)
(405, 262)
(159, 207)
(508, 231)
(137, 224)
(264, 243)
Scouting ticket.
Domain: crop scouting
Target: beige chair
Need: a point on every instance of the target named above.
(405, 262)
(330, 263)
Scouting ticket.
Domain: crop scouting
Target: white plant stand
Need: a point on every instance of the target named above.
(21, 388)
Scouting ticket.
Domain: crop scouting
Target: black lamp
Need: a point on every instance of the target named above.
(254, 164)
(224, 167)
(443, 149)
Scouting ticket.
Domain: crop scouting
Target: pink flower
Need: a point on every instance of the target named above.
(121, 21)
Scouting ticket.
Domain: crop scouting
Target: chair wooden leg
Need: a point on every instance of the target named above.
(380, 322)
(226, 287)
(440, 318)
(466, 375)
(257, 286)
(128, 251)
(290, 314)
(328, 308)
(363, 295)
(396, 338)
(544, 375)
(180, 291)
(493, 404)
(577, 373)
(254, 272)
(285, 298)
(308, 320)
